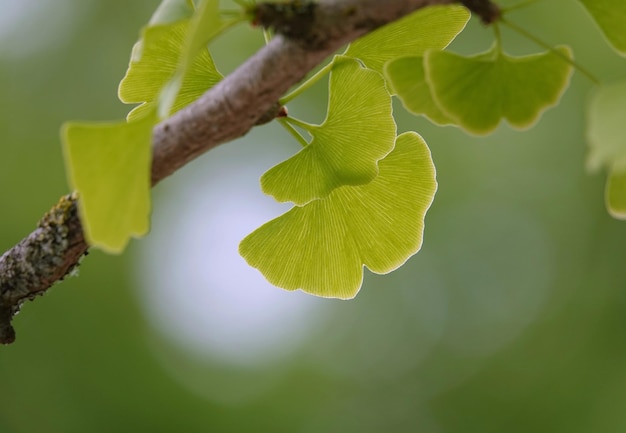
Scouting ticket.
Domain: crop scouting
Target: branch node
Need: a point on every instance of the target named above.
(487, 10)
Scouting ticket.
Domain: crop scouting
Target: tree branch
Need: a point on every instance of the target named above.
(225, 112)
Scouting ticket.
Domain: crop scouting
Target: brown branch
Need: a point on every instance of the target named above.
(224, 113)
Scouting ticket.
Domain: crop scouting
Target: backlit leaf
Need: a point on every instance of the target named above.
(321, 247)
(610, 15)
(615, 194)
(154, 62)
(428, 28)
(478, 92)
(407, 80)
(359, 130)
(170, 11)
(109, 165)
(606, 126)
(607, 142)
(205, 25)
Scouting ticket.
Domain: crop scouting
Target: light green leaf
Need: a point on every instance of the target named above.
(321, 247)
(428, 28)
(606, 126)
(615, 194)
(170, 11)
(607, 142)
(610, 15)
(478, 92)
(205, 25)
(154, 62)
(109, 166)
(407, 80)
(359, 130)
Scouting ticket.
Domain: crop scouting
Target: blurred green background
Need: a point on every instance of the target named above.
(512, 318)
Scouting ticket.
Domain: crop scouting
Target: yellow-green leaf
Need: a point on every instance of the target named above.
(478, 92)
(359, 130)
(109, 165)
(154, 62)
(432, 27)
(610, 15)
(407, 80)
(321, 247)
(615, 194)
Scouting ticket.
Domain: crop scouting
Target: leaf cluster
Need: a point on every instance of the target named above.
(360, 192)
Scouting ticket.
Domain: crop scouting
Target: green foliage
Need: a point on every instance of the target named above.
(321, 247)
(358, 131)
(605, 126)
(431, 28)
(478, 92)
(407, 79)
(358, 199)
(610, 15)
(155, 60)
(109, 166)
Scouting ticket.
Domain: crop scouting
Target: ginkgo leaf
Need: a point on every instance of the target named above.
(407, 80)
(109, 165)
(607, 142)
(428, 28)
(615, 194)
(610, 15)
(170, 11)
(154, 62)
(321, 247)
(606, 126)
(204, 26)
(359, 130)
(478, 92)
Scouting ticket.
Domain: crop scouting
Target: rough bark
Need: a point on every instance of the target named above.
(306, 35)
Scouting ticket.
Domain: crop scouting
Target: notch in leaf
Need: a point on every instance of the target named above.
(322, 246)
(478, 92)
(358, 131)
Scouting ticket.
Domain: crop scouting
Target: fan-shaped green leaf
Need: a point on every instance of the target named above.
(205, 25)
(615, 194)
(606, 126)
(154, 62)
(321, 247)
(428, 28)
(359, 130)
(607, 142)
(478, 92)
(407, 80)
(170, 11)
(109, 166)
(610, 15)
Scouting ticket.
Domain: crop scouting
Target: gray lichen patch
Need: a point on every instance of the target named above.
(38, 261)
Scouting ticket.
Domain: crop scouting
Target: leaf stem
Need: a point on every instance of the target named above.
(308, 83)
(543, 44)
(308, 127)
(293, 131)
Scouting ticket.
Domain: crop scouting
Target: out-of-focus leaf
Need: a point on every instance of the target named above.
(170, 11)
(606, 126)
(478, 92)
(615, 194)
(154, 62)
(610, 15)
(428, 28)
(407, 80)
(109, 165)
